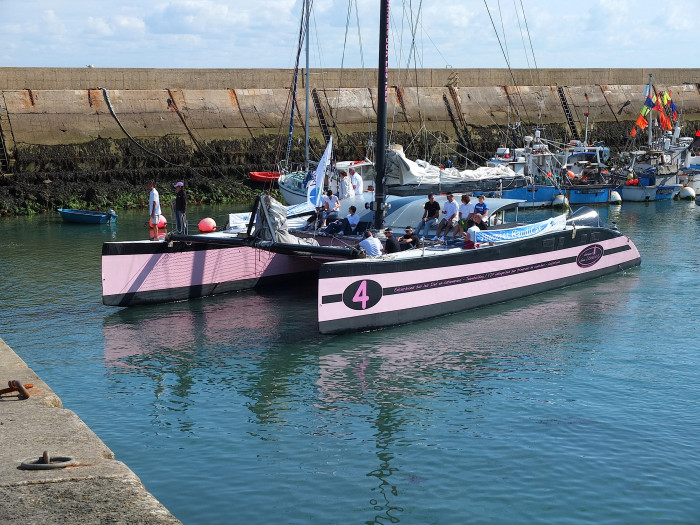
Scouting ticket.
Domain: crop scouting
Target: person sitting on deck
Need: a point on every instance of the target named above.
(371, 244)
(392, 244)
(466, 212)
(468, 242)
(451, 209)
(482, 208)
(431, 213)
(408, 240)
(331, 203)
(479, 222)
(347, 225)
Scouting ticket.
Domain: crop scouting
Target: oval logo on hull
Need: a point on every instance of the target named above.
(590, 255)
(362, 295)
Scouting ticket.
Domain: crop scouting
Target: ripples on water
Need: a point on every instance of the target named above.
(572, 406)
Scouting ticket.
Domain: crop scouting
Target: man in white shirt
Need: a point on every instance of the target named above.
(154, 208)
(331, 203)
(371, 244)
(346, 189)
(450, 210)
(356, 182)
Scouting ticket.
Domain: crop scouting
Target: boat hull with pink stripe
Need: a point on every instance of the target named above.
(145, 272)
(418, 284)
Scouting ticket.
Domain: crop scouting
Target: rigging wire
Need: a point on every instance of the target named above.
(510, 70)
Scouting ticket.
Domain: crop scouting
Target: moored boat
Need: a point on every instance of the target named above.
(264, 176)
(366, 294)
(415, 284)
(87, 216)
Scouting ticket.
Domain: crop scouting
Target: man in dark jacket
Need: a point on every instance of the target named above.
(181, 208)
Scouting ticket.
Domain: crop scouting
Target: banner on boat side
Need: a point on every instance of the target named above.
(550, 225)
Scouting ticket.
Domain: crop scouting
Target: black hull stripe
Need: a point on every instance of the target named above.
(185, 293)
(398, 317)
(453, 281)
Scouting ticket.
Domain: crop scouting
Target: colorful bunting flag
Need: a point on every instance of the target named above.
(664, 121)
(674, 109)
(633, 131)
(641, 122)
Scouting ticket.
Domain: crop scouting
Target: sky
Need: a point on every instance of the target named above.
(344, 33)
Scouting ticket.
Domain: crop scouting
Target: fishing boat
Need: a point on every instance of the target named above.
(264, 176)
(572, 174)
(650, 173)
(394, 289)
(87, 216)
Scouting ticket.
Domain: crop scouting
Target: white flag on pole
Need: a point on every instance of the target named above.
(315, 191)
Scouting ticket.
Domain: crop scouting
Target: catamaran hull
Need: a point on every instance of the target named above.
(144, 272)
(364, 295)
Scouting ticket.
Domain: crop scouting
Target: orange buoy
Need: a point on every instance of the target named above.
(207, 225)
(162, 221)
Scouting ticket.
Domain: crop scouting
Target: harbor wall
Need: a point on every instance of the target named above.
(95, 488)
(73, 120)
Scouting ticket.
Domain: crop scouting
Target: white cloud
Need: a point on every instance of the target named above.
(263, 33)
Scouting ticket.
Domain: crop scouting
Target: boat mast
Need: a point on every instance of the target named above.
(306, 116)
(382, 96)
(651, 113)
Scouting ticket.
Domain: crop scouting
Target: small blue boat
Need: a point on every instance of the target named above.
(87, 216)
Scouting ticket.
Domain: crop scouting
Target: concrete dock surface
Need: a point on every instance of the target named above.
(96, 488)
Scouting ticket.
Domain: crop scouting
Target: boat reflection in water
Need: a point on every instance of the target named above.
(249, 320)
(456, 363)
(249, 371)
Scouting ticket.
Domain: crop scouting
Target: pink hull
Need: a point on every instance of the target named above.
(142, 278)
(380, 297)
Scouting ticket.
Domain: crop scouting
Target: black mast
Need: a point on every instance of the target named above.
(382, 74)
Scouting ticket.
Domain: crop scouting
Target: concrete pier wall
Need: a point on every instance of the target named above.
(95, 489)
(41, 108)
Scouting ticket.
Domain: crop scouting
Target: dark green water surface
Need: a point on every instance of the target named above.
(576, 406)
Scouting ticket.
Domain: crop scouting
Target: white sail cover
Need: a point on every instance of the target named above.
(400, 171)
(271, 224)
(554, 224)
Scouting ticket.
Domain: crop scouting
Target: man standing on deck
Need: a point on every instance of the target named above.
(356, 181)
(181, 208)
(154, 209)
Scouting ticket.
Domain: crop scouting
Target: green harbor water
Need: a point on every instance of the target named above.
(576, 406)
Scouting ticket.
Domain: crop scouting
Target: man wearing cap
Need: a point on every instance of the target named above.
(408, 240)
(371, 244)
(181, 208)
(392, 244)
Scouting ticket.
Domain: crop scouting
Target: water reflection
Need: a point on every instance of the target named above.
(457, 360)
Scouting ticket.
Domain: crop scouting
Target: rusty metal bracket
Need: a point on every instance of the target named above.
(16, 386)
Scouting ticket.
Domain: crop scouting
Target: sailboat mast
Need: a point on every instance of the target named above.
(306, 116)
(382, 96)
(651, 113)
